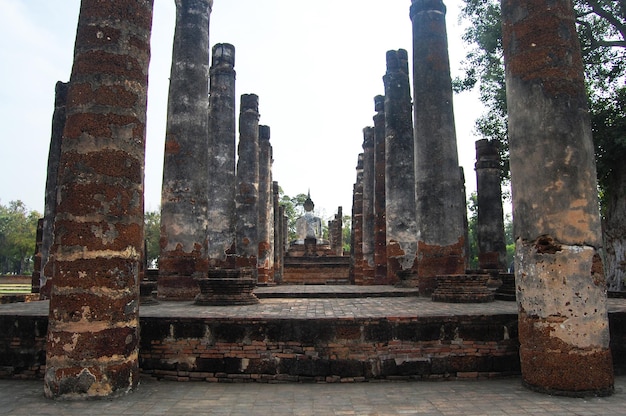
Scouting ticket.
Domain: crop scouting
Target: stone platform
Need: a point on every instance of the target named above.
(301, 339)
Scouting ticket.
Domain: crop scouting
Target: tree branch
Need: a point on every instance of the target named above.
(609, 17)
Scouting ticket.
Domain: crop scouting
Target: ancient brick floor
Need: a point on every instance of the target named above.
(504, 397)
(336, 302)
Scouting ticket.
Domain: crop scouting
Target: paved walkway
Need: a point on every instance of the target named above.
(312, 308)
(504, 397)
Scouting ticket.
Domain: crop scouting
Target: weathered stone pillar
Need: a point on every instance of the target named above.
(561, 293)
(357, 225)
(401, 228)
(184, 192)
(368, 206)
(50, 204)
(277, 234)
(36, 275)
(247, 192)
(265, 255)
(380, 234)
(93, 338)
(441, 247)
(337, 246)
(222, 184)
(490, 226)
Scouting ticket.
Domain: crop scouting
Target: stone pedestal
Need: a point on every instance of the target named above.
(224, 287)
(147, 292)
(506, 291)
(463, 288)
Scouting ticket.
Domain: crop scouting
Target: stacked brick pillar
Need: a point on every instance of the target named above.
(380, 226)
(247, 192)
(439, 204)
(401, 228)
(278, 244)
(265, 255)
(368, 206)
(356, 237)
(50, 207)
(221, 164)
(93, 338)
(561, 290)
(184, 194)
(490, 225)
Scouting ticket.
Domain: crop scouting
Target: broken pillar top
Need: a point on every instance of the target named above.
(368, 137)
(397, 61)
(249, 102)
(264, 133)
(223, 55)
(379, 103)
(420, 6)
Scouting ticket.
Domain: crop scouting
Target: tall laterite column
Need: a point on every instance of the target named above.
(490, 224)
(380, 233)
(222, 179)
(439, 203)
(561, 290)
(184, 192)
(265, 256)
(93, 338)
(247, 192)
(401, 228)
(368, 206)
(50, 207)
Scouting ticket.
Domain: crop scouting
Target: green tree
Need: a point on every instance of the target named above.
(601, 26)
(294, 209)
(152, 235)
(18, 233)
(472, 225)
(345, 232)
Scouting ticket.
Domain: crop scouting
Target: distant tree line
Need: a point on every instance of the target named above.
(18, 232)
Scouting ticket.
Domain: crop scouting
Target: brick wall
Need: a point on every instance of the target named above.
(305, 350)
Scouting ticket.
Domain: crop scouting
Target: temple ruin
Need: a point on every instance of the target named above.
(224, 233)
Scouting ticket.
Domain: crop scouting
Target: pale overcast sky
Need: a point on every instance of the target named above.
(316, 67)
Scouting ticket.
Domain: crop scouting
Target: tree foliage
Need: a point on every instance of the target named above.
(152, 235)
(18, 233)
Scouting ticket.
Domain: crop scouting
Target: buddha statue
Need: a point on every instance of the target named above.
(308, 226)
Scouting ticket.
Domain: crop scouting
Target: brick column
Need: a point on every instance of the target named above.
(368, 206)
(401, 227)
(247, 192)
(561, 290)
(277, 243)
(222, 184)
(50, 206)
(338, 232)
(357, 225)
(441, 248)
(184, 191)
(93, 339)
(380, 226)
(490, 226)
(264, 256)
